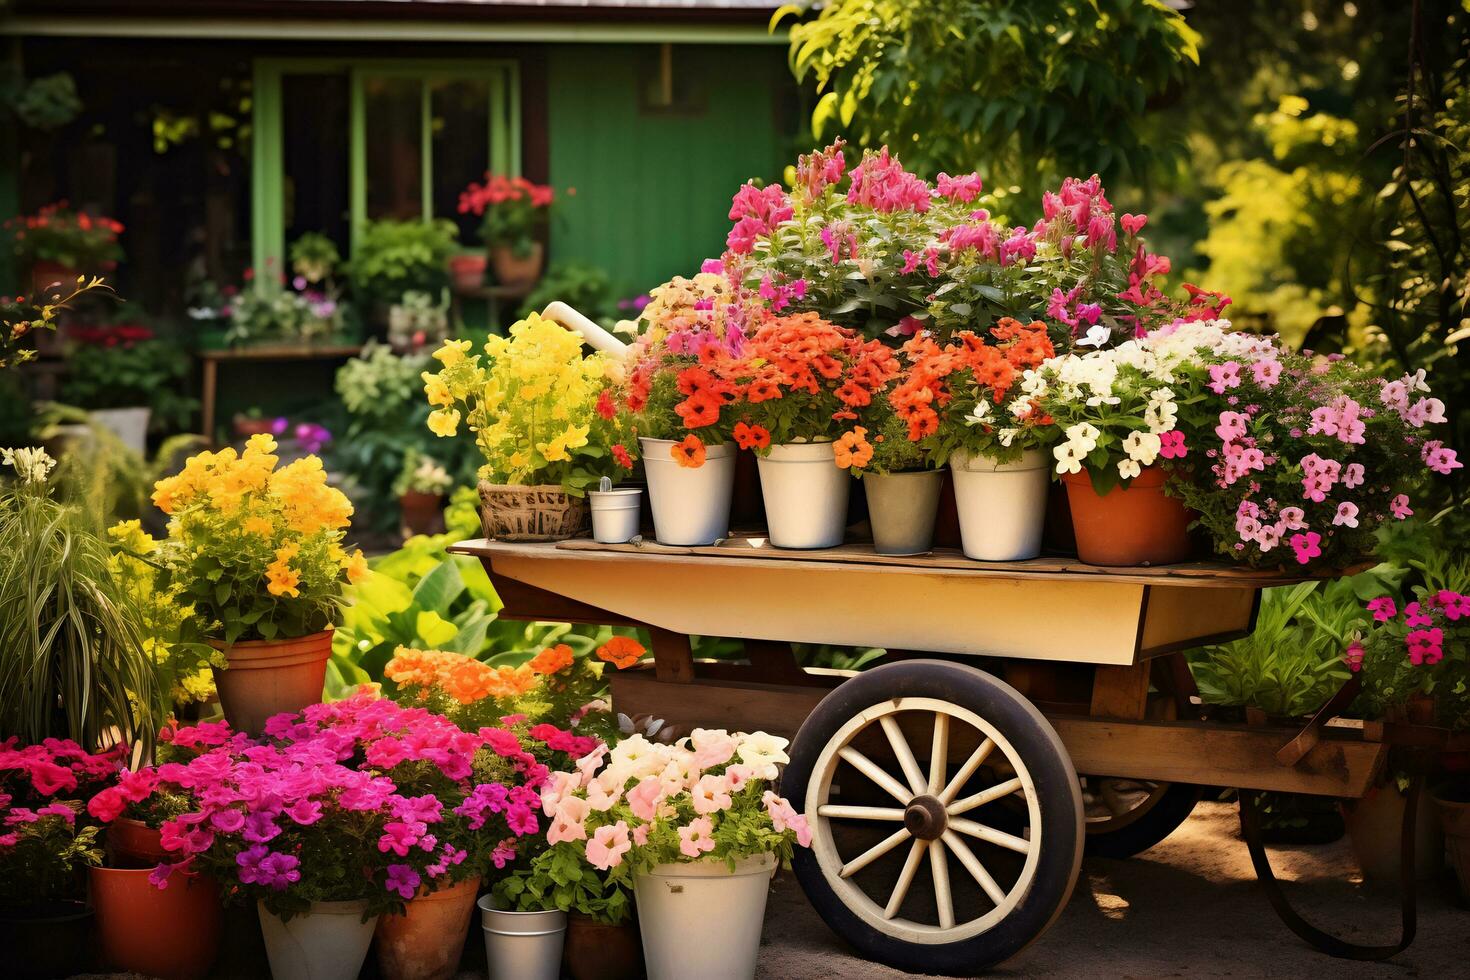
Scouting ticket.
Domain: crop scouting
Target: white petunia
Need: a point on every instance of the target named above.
(1007, 436)
(1096, 336)
(1083, 435)
(1142, 446)
(1069, 457)
(980, 415)
(1128, 468)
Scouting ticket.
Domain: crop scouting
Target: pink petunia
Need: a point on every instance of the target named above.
(1426, 647)
(608, 845)
(695, 839)
(1399, 507)
(1383, 608)
(1307, 546)
(1224, 376)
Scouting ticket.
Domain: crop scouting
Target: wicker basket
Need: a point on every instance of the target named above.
(544, 513)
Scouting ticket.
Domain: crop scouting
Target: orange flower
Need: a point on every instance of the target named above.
(751, 436)
(688, 453)
(853, 450)
(621, 651)
(552, 659)
(699, 409)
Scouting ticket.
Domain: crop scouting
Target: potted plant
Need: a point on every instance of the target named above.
(678, 392)
(391, 258)
(515, 212)
(803, 380)
(967, 402)
(698, 815)
(616, 512)
(128, 381)
(263, 313)
(45, 848)
(171, 931)
(421, 487)
(72, 659)
(416, 320)
(467, 271)
(61, 246)
(256, 555)
(534, 410)
(314, 257)
(1414, 662)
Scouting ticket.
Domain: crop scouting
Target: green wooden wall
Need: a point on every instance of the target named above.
(653, 188)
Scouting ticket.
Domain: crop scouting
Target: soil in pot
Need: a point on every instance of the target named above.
(599, 951)
(1137, 524)
(426, 940)
(48, 941)
(172, 933)
(267, 677)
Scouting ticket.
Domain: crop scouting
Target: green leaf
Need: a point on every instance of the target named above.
(433, 629)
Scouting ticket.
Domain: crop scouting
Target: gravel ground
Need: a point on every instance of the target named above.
(1189, 906)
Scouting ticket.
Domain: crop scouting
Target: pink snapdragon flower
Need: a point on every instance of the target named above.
(962, 189)
(881, 183)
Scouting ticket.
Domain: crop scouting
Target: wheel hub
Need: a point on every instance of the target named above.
(925, 818)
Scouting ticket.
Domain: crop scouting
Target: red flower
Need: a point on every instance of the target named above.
(751, 436)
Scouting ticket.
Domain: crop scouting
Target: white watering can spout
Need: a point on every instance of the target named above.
(596, 337)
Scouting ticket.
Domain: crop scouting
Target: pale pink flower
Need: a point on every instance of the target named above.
(608, 845)
(1399, 507)
(1347, 514)
(640, 835)
(644, 798)
(568, 823)
(711, 794)
(695, 839)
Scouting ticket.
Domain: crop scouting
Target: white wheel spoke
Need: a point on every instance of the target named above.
(905, 878)
(872, 770)
(972, 864)
(939, 753)
(982, 751)
(939, 867)
(984, 796)
(874, 853)
(903, 753)
(991, 836)
(834, 811)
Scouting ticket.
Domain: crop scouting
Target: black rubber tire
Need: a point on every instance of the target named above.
(1052, 773)
(1137, 836)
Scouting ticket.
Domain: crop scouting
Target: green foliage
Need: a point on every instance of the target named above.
(262, 314)
(72, 663)
(560, 878)
(47, 102)
(45, 862)
(1292, 663)
(395, 257)
(150, 372)
(586, 288)
(1017, 88)
(314, 257)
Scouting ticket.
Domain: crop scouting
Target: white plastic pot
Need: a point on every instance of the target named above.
(805, 495)
(691, 505)
(330, 942)
(615, 514)
(130, 425)
(702, 920)
(1002, 506)
(522, 945)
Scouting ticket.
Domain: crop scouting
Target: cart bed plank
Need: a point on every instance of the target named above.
(1205, 753)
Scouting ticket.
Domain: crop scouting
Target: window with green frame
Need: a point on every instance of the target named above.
(341, 142)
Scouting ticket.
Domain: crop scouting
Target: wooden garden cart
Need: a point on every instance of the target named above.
(964, 758)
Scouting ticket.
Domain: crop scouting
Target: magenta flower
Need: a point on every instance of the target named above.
(1353, 656)
(1171, 445)
(1425, 646)
(1455, 605)
(1383, 608)
(1415, 616)
(403, 880)
(1399, 507)
(1307, 546)
(962, 189)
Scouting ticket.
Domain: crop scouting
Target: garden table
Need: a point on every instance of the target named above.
(258, 353)
(1036, 677)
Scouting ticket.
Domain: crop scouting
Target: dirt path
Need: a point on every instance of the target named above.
(1188, 907)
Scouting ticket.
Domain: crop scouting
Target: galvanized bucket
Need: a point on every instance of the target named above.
(523, 945)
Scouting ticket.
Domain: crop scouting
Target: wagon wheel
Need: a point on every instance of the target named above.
(997, 832)
(1127, 816)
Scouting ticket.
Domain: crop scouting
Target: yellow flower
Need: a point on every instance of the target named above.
(436, 390)
(356, 566)
(282, 579)
(444, 422)
(260, 526)
(452, 352)
(575, 437)
(260, 444)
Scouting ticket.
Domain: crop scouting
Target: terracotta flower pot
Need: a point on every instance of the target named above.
(422, 512)
(245, 426)
(1133, 525)
(467, 272)
(49, 277)
(426, 941)
(172, 932)
(1374, 824)
(1454, 820)
(134, 843)
(267, 677)
(517, 270)
(598, 951)
(49, 939)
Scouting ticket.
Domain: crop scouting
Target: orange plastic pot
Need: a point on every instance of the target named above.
(426, 941)
(1133, 525)
(134, 843)
(267, 677)
(172, 932)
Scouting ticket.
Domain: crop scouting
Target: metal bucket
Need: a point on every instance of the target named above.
(805, 494)
(522, 945)
(691, 506)
(902, 508)
(1002, 506)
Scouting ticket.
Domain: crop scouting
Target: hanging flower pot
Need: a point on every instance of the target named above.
(805, 494)
(422, 512)
(524, 945)
(172, 933)
(512, 269)
(267, 677)
(327, 942)
(540, 513)
(425, 941)
(902, 510)
(1002, 506)
(691, 504)
(602, 951)
(681, 938)
(1132, 524)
